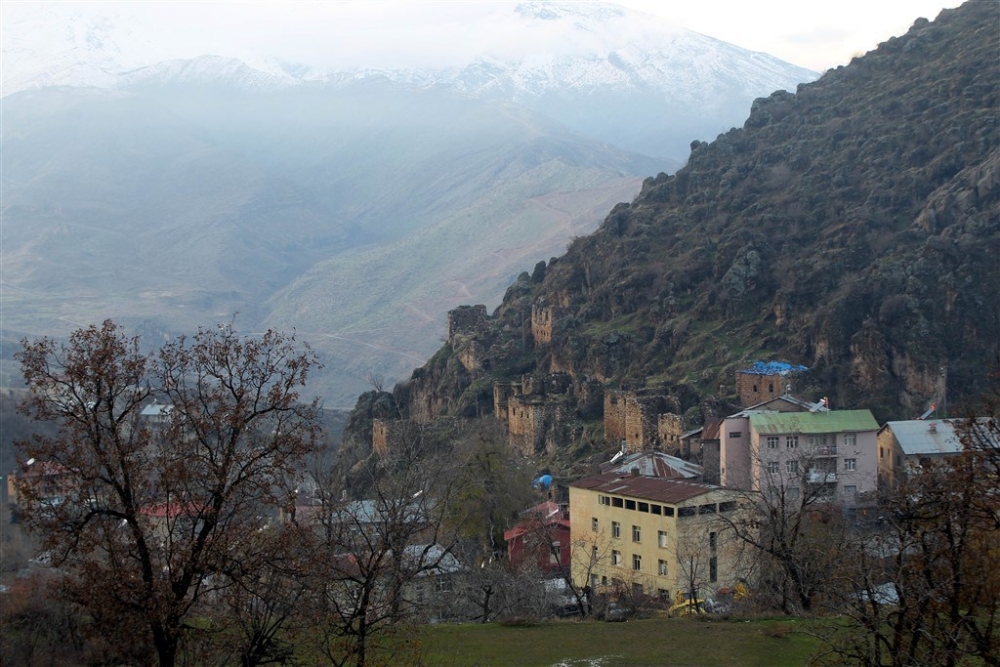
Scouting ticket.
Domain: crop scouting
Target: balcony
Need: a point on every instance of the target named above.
(822, 477)
(826, 450)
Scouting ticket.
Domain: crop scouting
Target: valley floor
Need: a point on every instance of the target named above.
(667, 642)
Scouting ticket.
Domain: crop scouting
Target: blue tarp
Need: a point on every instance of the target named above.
(774, 368)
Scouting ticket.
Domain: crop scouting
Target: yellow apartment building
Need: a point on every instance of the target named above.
(653, 536)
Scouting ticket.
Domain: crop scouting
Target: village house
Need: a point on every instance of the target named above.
(541, 539)
(652, 536)
(830, 454)
(906, 446)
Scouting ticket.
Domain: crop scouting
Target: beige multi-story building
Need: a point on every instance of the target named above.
(653, 536)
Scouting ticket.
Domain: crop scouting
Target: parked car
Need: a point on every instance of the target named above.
(562, 598)
(615, 612)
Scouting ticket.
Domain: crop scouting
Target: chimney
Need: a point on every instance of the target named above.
(932, 427)
(635, 472)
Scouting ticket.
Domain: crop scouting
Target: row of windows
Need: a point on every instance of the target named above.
(662, 538)
(662, 510)
(662, 569)
(792, 467)
(637, 505)
(818, 440)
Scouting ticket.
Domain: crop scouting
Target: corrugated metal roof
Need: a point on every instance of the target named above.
(766, 406)
(662, 489)
(834, 421)
(655, 464)
(933, 436)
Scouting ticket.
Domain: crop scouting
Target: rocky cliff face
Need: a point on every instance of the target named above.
(853, 227)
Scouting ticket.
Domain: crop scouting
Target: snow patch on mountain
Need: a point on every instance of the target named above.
(560, 46)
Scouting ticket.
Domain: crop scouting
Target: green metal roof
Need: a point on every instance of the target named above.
(834, 421)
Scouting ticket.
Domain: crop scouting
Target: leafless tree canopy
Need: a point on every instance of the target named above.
(156, 513)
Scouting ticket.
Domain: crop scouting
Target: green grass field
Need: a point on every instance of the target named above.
(654, 642)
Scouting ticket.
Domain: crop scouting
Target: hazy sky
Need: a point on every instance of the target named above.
(817, 34)
(812, 33)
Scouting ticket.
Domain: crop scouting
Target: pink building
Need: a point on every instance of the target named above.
(829, 454)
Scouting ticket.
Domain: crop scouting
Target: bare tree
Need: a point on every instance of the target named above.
(366, 557)
(792, 528)
(153, 514)
(923, 589)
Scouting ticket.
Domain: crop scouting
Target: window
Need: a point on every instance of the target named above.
(735, 434)
(617, 502)
(604, 500)
(593, 524)
(850, 439)
(791, 441)
(644, 507)
(772, 467)
(636, 562)
(663, 594)
(661, 567)
(630, 504)
(655, 509)
(819, 440)
(687, 511)
(636, 534)
(616, 529)
(850, 464)
(713, 569)
(662, 539)
(713, 542)
(792, 467)
(443, 584)
(616, 557)
(727, 506)
(850, 492)
(594, 557)
(881, 453)
(772, 442)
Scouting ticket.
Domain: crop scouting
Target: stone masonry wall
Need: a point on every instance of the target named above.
(541, 324)
(669, 427)
(466, 320)
(752, 388)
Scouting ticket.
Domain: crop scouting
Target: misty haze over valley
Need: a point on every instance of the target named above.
(354, 205)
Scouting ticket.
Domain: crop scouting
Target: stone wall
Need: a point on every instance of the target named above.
(752, 388)
(502, 393)
(529, 406)
(541, 323)
(644, 419)
(614, 415)
(466, 320)
(527, 423)
(669, 427)
(382, 430)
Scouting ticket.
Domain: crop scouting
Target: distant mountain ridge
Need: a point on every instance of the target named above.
(663, 78)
